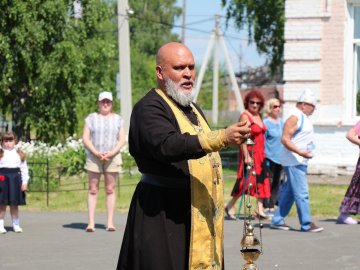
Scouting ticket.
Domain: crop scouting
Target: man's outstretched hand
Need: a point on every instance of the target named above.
(237, 133)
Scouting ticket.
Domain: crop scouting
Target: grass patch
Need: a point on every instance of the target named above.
(325, 199)
(72, 196)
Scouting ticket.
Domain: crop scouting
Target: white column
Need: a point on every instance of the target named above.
(124, 62)
(235, 86)
(203, 66)
(183, 22)
(215, 95)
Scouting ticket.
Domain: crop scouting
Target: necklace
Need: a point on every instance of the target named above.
(198, 128)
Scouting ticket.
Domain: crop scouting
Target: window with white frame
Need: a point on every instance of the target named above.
(356, 50)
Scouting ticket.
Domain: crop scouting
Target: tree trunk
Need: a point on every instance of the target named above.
(17, 111)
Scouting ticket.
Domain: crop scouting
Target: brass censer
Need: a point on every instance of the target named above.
(250, 242)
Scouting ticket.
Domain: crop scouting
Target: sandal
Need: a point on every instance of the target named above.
(262, 217)
(228, 215)
(111, 229)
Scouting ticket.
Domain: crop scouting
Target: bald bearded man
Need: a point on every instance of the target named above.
(175, 220)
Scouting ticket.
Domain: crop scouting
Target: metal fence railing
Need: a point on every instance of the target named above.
(47, 178)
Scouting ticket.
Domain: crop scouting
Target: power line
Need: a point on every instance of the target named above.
(180, 26)
(231, 45)
(201, 21)
(166, 24)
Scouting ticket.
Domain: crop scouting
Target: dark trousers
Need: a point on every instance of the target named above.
(275, 175)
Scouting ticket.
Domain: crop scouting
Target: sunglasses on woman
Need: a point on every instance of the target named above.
(276, 106)
(255, 102)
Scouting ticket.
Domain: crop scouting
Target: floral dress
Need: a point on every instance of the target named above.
(351, 201)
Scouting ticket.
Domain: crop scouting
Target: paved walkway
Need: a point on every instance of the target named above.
(57, 241)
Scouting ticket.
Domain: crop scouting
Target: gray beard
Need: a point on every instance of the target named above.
(174, 91)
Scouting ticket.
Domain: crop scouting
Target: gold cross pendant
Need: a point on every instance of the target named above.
(216, 173)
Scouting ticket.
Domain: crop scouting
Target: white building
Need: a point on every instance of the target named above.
(322, 52)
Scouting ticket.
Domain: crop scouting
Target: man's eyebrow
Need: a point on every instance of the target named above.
(192, 66)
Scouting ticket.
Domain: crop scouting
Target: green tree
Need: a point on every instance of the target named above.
(265, 20)
(150, 27)
(52, 64)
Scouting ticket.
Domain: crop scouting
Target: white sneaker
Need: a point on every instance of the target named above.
(2, 230)
(17, 228)
(346, 219)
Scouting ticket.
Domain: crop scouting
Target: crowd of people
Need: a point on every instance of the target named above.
(176, 216)
(276, 145)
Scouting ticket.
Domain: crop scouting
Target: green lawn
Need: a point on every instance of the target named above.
(72, 195)
(325, 199)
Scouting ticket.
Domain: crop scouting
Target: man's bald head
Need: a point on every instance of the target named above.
(169, 50)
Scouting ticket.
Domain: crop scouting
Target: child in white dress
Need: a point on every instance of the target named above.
(14, 176)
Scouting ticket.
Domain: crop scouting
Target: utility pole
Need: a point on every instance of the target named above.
(124, 11)
(216, 38)
(183, 22)
(215, 96)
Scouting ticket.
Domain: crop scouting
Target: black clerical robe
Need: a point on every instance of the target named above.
(157, 234)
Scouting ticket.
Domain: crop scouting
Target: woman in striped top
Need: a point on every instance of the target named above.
(103, 137)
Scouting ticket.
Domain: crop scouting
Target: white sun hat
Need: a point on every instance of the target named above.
(105, 95)
(308, 96)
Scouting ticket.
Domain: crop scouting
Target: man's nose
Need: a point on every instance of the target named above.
(187, 72)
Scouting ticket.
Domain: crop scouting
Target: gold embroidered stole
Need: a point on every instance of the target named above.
(207, 198)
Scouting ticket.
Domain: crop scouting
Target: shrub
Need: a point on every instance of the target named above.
(51, 162)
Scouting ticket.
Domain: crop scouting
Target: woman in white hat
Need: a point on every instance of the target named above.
(103, 137)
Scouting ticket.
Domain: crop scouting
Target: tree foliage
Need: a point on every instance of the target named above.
(150, 27)
(265, 20)
(52, 64)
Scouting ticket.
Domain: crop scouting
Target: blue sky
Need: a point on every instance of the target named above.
(200, 22)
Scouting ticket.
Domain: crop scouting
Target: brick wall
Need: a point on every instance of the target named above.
(314, 58)
(332, 55)
(335, 155)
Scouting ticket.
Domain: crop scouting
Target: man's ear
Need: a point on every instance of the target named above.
(159, 74)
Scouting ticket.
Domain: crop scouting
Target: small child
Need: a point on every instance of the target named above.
(14, 176)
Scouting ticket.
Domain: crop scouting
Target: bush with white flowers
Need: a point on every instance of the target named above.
(68, 158)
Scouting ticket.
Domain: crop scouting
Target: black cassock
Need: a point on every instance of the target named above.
(157, 233)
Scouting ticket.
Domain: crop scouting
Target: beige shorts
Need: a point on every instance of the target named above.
(94, 164)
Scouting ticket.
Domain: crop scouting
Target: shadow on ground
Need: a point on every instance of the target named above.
(82, 226)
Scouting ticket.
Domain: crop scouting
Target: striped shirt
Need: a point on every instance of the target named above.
(104, 130)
